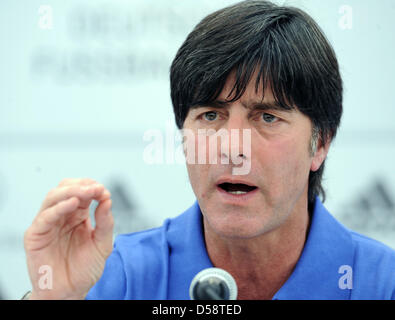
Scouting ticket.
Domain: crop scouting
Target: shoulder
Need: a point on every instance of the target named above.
(372, 253)
(138, 266)
(370, 264)
(146, 245)
(369, 245)
(144, 256)
(151, 240)
(149, 249)
(142, 250)
(374, 267)
(134, 256)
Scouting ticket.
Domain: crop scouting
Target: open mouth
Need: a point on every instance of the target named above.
(236, 188)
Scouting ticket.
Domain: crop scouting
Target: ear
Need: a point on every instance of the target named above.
(320, 155)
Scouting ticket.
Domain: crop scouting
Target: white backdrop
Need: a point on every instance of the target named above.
(82, 81)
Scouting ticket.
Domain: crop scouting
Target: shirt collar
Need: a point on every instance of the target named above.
(188, 253)
(316, 274)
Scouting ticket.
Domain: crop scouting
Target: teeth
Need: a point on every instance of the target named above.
(237, 192)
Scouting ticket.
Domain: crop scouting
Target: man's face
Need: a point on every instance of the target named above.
(280, 162)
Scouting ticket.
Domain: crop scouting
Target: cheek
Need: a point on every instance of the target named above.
(196, 147)
(285, 165)
(196, 150)
(199, 178)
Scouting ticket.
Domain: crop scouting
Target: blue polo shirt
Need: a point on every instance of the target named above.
(336, 263)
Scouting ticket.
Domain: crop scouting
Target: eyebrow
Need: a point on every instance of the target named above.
(273, 105)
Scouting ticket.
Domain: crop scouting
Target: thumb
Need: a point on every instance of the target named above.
(104, 219)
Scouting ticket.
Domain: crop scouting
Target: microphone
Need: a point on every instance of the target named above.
(213, 284)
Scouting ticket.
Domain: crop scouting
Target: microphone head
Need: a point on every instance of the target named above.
(213, 284)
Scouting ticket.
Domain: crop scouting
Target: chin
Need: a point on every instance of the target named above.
(239, 234)
(237, 227)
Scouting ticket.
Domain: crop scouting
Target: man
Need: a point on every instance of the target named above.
(254, 68)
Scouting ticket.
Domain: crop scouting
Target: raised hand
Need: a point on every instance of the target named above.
(62, 239)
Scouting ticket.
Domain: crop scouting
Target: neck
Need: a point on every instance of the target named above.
(262, 264)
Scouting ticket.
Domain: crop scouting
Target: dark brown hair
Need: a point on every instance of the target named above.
(290, 51)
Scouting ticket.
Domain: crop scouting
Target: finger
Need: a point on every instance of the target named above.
(103, 231)
(84, 193)
(105, 195)
(74, 219)
(47, 219)
(79, 181)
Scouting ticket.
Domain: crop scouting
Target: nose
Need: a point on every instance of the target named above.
(238, 147)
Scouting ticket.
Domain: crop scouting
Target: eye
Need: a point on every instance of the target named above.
(210, 115)
(269, 118)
